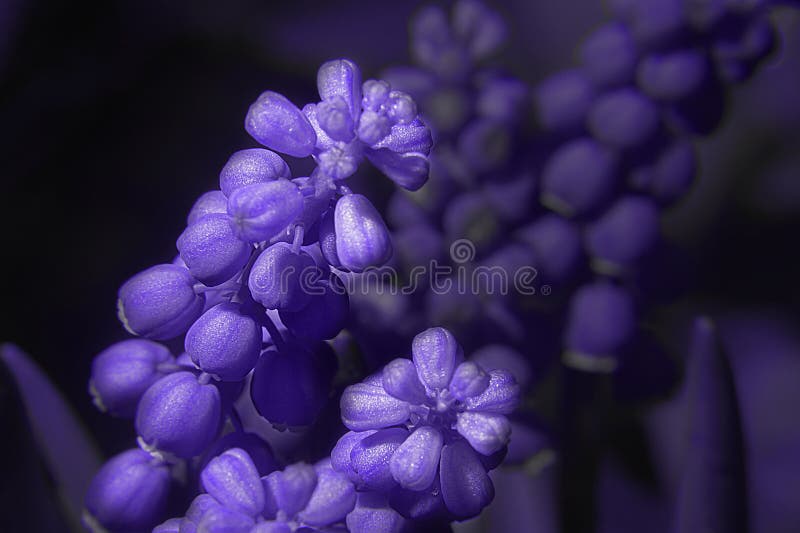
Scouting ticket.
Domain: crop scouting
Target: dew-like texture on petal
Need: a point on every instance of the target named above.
(261, 210)
(208, 203)
(325, 314)
(340, 455)
(609, 55)
(159, 303)
(623, 119)
(129, 493)
(178, 415)
(341, 78)
(578, 177)
(365, 406)
(466, 488)
(400, 379)
(486, 433)
(211, 250)
(225, 342)
(563, 100)
(415, 462)
(408, 170)
(362, 239)
(222, 520)
(333, 497)
(276, 278)
(370, 458)
(601, 320)
(403, 138)
(673, 76)
(123, 372)
(292, 487)
(469, 380)
(624, 233)
(290, 386)
(233, 480)
(500, 397)
(278, 124)
(436, 353)
(254, 165)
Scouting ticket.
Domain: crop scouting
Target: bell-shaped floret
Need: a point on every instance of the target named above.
(225, 342)
(129, 493)
(254, 165)
(415, 462)
(232, 479)
(208, 203)
(279, 278)
(278, 124)
(436, 353)
(179, 415)
(211, 250)
(601, 320)
(563, 100)
(466, 488)
(123, 372)
(261, 210)
(578, 177)
(623, 234)
(371, 456)
(362, 239)
(159, 303)
(291, 385)
(624, 118)
(609, 55)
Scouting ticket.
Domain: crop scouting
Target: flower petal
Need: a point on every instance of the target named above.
(366, 406)
(404, 138)
(466, 488)
(408, 170)
(401, 381)
(436, 353)
(414, 463)
(486, 433)
(501, 396)
(333, 497)
(233, 480)
(341, 77)
(291, 488)
(371, 457)
(469, 380)
(374, 515)
(278, 124)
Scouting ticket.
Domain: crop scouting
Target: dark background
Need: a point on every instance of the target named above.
(115, 116)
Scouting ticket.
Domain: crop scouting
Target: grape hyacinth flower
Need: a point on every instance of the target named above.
(428, 428)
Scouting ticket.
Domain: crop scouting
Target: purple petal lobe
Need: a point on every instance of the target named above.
(222, 520)
(254, 165)
(469, 380)
(436, 353)
(336, 119)
(261, 210)
(400, 379)
(292, 487)
(341, 78)
(122, 373)
(500, 397)
(340, 455)
(178, 415)
(414, 463)
(408, 170)
(403, 138)
(173, 525)
(466, 488)
(371, 456)
(362, 239)
(278, 124)
(333, 497)
(129, 493)
(374, 515)
(224, 342)
(366, 406)
(159, 303)
(233, 480)
(486, 433)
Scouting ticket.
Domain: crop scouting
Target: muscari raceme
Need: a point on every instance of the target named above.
(628, 119)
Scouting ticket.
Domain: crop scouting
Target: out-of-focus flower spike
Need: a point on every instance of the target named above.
(713, 495)
(341, 78)
(563, 100)
(623, 119)
(556, 244)
(278, 124)
(480, 28)
(70, 454)
(670, 175)
(609, 55)
(672, 76)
